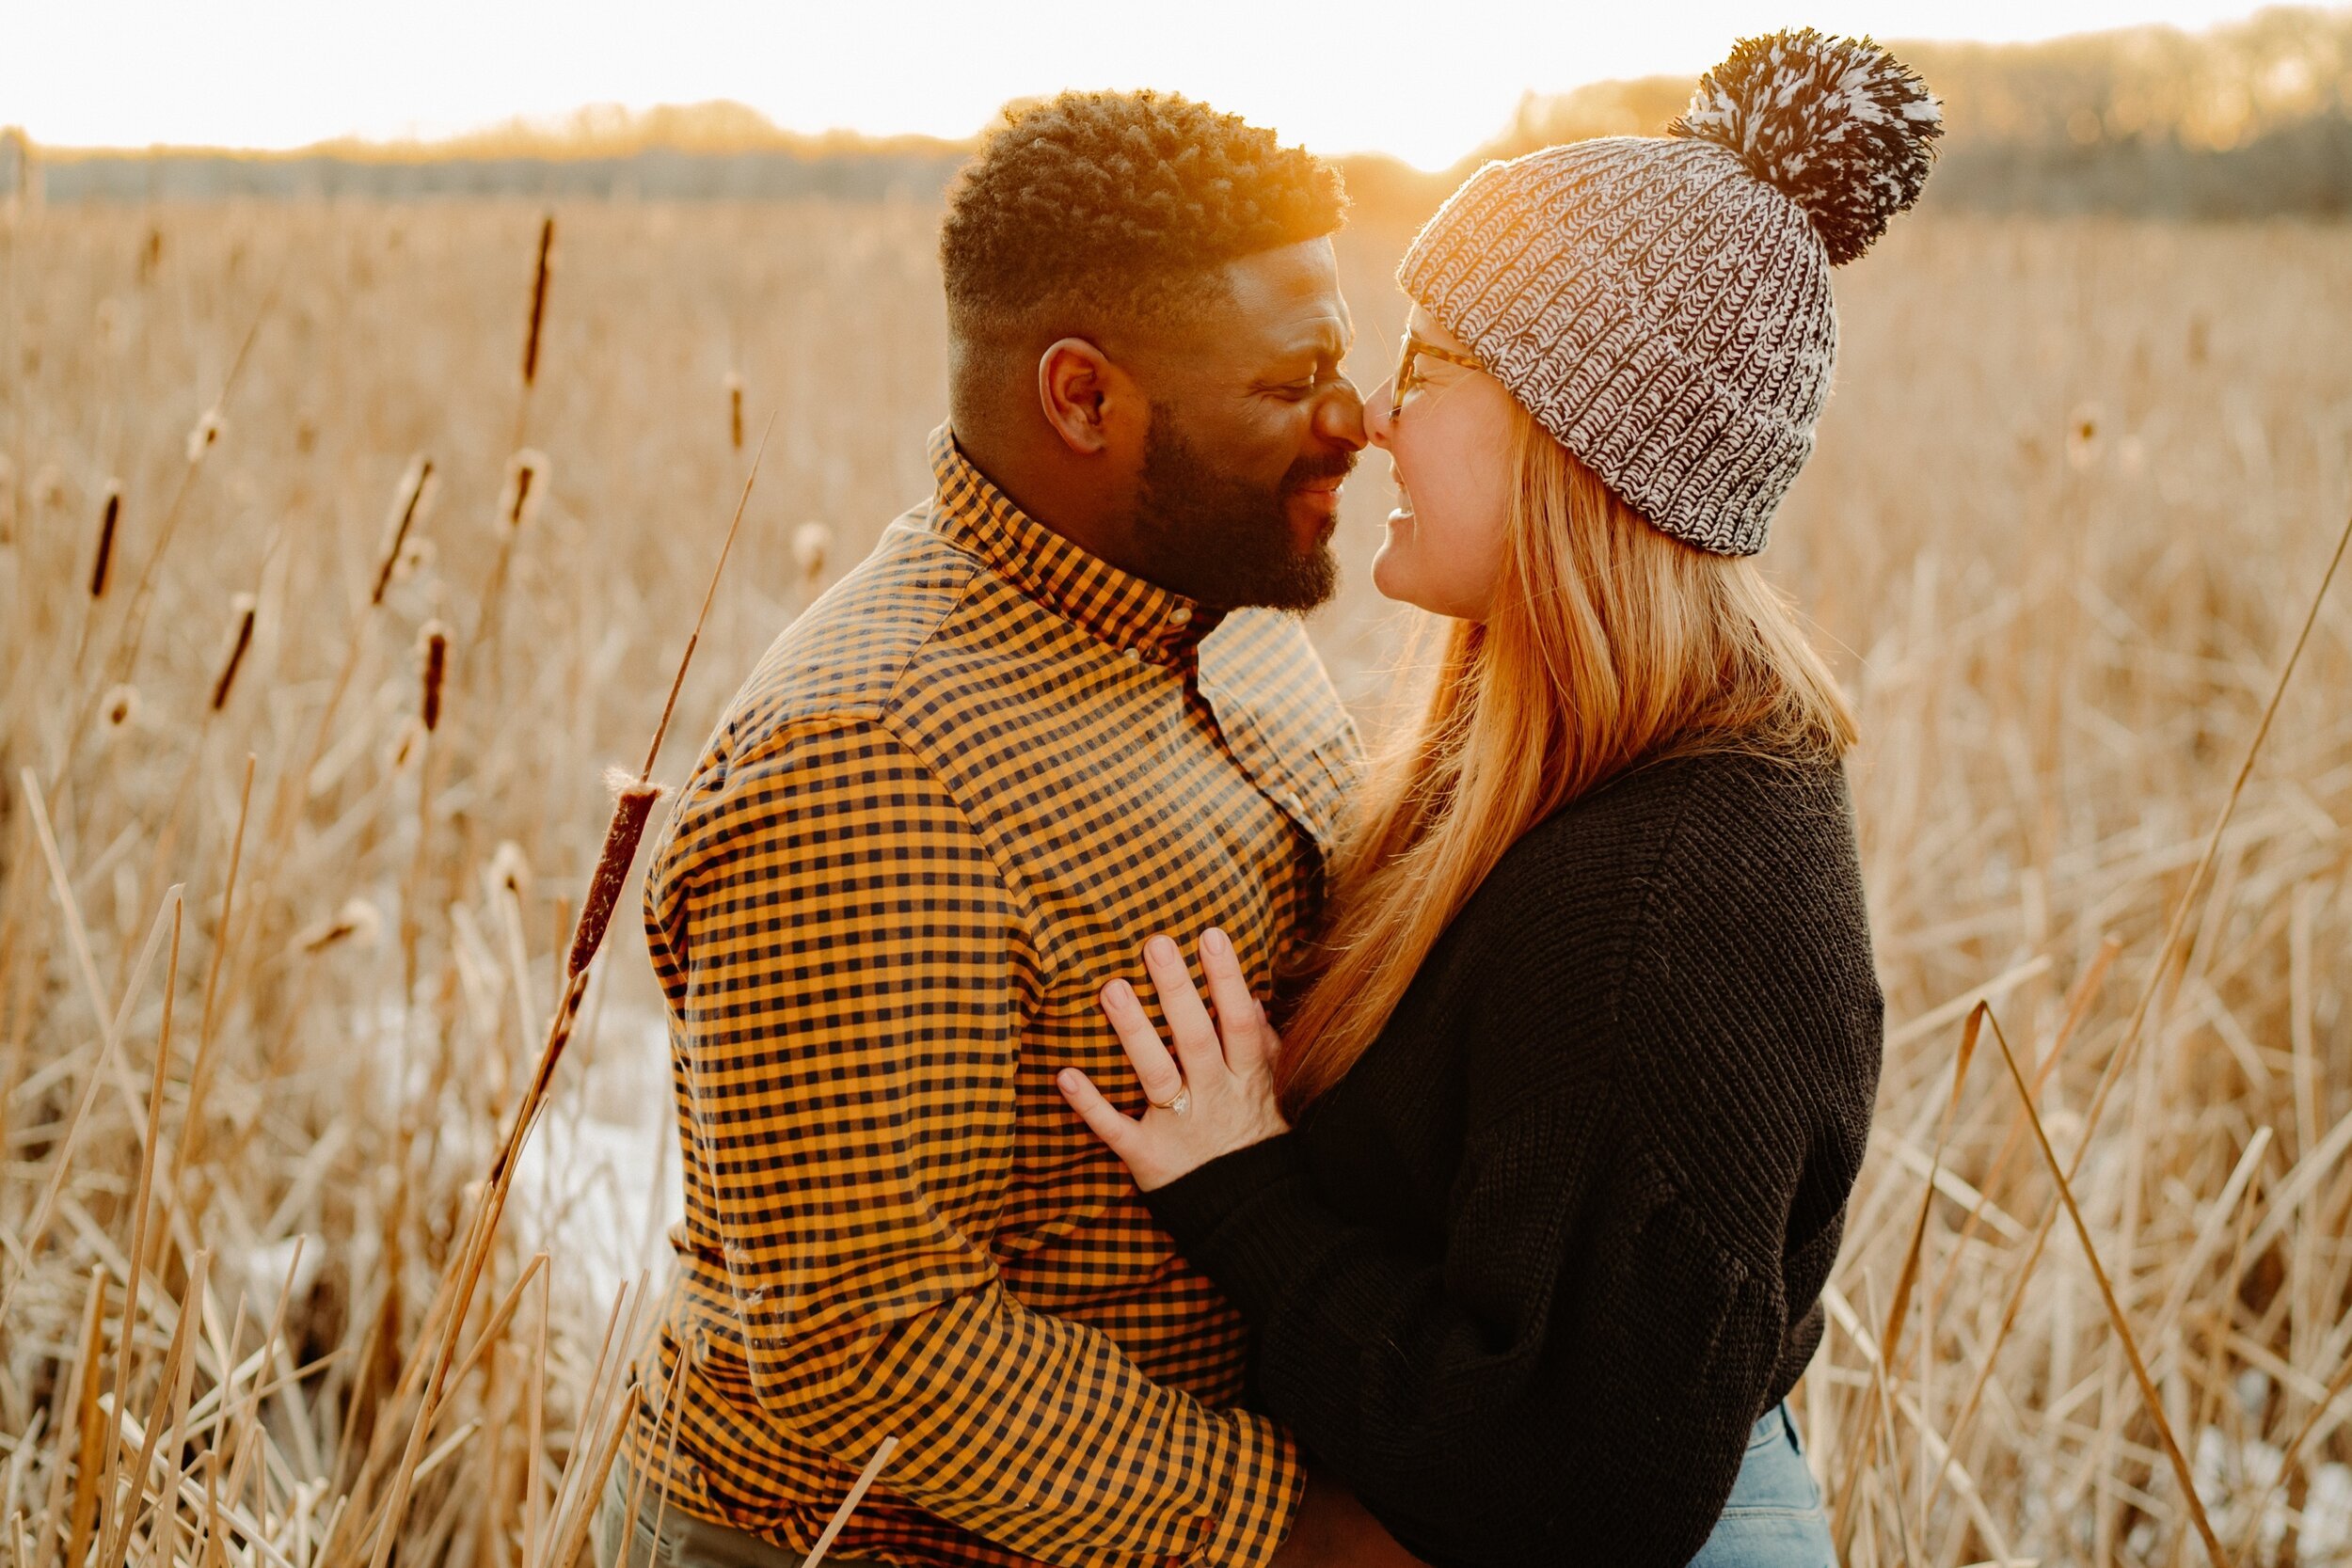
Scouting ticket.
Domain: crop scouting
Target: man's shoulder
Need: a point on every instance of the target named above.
(845, 656)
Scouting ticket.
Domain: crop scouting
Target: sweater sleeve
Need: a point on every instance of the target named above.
(1500, 1408)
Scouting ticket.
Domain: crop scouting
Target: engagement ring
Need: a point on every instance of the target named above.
(1177, 1105)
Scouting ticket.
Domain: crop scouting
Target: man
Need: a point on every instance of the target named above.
(1055, 712)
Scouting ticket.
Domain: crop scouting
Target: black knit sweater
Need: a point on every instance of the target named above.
(1527, 1278)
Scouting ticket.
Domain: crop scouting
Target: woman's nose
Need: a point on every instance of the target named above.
(1377, 422)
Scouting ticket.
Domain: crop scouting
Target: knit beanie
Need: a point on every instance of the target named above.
(1662, 304)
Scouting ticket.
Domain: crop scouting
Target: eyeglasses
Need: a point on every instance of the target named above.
(1408, 368)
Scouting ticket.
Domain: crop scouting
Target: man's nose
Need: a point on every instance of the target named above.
(1340, 417)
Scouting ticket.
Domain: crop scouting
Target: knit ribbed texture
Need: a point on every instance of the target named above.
(1661, 311)
(1525, 1279)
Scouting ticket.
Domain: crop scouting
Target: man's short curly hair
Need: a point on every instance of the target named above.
(1108, 201)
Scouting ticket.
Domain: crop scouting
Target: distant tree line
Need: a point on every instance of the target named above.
(2247, 120)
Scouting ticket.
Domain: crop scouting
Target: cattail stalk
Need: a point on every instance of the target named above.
(125, 656)
(463, 1276)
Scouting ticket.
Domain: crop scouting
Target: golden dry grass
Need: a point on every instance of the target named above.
(2074, 493)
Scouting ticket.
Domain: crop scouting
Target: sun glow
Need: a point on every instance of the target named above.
(1424, 83)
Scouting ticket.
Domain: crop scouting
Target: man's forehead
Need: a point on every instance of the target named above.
(1289, 289)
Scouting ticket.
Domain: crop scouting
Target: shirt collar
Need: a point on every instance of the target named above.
(1138, 618)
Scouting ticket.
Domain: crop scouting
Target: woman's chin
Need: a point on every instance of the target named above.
(1390, 577)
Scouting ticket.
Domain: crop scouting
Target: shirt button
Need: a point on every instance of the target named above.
(1180, 616)
(1134, 653)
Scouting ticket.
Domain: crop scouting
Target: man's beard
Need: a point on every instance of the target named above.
(1223, 540)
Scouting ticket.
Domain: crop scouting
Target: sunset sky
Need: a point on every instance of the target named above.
(1425, 81)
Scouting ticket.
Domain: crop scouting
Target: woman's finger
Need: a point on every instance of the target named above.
(1196, 1045)
(1116, 1131)
(1154, 1068)
(1240, 1021)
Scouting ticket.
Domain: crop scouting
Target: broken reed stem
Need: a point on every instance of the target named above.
(2174, 927)
(2115, 1315)
(848, 1504)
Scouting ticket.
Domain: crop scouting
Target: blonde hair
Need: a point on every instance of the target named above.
(1610, 643)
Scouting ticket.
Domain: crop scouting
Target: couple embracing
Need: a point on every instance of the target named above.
(1193, 1146)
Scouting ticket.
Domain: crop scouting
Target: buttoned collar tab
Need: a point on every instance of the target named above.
(1142, 620)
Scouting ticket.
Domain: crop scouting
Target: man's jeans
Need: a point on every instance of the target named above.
(1775, 1519)
(685, 1541)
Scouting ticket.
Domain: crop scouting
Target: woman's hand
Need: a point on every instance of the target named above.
(1216, 1095)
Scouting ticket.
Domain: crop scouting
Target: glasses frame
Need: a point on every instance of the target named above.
(1411, 349)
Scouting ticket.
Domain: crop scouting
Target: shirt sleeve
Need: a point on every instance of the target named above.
(848, 967)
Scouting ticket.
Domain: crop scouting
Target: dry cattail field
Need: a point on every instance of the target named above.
(319, 630)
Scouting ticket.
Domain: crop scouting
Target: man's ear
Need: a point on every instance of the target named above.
(1083, 394)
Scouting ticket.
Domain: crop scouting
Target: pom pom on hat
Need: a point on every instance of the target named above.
(1837, 125)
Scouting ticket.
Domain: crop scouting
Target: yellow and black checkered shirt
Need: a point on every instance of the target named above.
(949, 804)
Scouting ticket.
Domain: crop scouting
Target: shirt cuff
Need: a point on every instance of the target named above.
(1247, 1219)
(1262, 1502)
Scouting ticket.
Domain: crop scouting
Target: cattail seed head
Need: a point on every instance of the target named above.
(207, 431)
(415, 556)
(109, 516)
(508, 870)
(2082, 436)
(242, 607)
(120, 707)
(633, 800)
(433, 653)
(407, 744)
(526, 487)
(810, 543)
(356, 923)
(735, 411)
(410, 499)
(538, 302)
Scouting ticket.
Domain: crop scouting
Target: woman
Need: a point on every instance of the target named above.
(1532, 1205)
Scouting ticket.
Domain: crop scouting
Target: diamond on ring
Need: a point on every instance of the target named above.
(1177, 1104)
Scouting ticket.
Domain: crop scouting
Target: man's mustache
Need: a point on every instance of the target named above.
(1306, 470)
